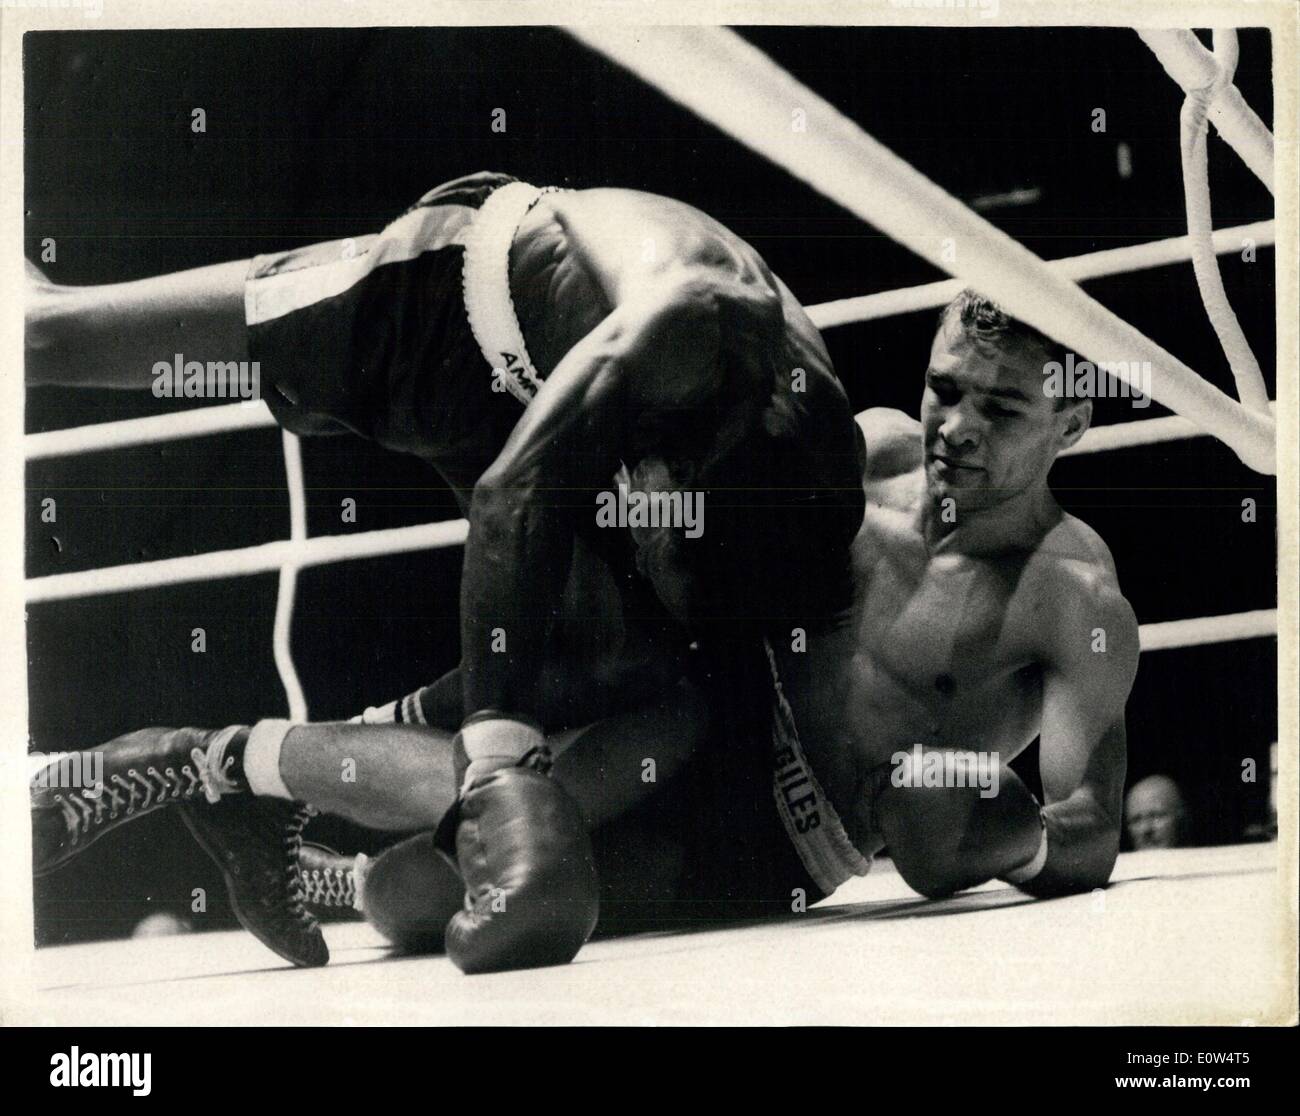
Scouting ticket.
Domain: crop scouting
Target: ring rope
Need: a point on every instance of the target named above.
(286, 593)
(1192, 66)
(1090, 265)
(1194, 129)
(127, 433)
(1141, 432)
(290, 555)
(1197, 631)
(723, 79)
(263, 558)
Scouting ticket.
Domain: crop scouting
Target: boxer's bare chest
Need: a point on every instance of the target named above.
(947, 645)
(941, 650)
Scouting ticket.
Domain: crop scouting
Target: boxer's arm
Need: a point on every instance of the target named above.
(654, 351)
(1083, 757)
(111, 335)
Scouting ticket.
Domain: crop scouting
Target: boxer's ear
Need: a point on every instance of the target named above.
(1078, 417)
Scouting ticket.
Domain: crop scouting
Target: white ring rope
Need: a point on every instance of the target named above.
(1194, 128)
(215, 564)
(127, 433)
(1142, 432)
(723, 79)
(1090, 265)
(1198, 631)
(1202, 408)
(286, 594)
(1193, 67)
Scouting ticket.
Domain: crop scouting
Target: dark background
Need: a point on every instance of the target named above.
(313, 135)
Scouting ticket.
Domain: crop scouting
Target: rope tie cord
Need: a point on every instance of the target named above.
(1196, 193)
(729, 82)
(1191, 66)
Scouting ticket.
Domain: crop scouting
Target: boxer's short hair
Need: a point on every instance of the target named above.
(984, 320)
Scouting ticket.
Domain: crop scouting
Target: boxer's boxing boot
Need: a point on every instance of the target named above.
(256, 842)
(329, 879)
(77, 797)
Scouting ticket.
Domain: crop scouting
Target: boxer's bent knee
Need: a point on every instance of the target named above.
(410, 893)
(641, 859)
(613, 765)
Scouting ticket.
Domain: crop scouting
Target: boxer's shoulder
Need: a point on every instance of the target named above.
(1072, 574)
(579, 253)
(1073, 552)
(560, 293)
(893, 443)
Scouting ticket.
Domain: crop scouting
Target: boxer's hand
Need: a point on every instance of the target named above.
(490, 741)
(531, 890)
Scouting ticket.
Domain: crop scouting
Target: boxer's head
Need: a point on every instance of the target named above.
(990, 430)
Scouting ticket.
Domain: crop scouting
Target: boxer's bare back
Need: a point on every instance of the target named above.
(579, 254)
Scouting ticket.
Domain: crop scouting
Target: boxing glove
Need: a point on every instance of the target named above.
(409, 893)
(531, 895)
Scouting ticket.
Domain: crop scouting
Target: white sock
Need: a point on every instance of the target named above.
(262, 759)
(360, 870)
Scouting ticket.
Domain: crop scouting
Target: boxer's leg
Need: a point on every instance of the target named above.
(612, 769)
(615, 764)
(111, 335)
(400, 777)
(438, 705)
(945, 839)
(385, 776)
(390, 777)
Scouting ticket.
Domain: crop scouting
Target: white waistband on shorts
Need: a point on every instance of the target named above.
(815, 828)
(486, 282)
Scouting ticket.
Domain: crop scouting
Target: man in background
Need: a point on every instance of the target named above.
(1155, 814)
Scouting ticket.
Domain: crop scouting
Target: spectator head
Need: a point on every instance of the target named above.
(160, 924)
(1155, 813)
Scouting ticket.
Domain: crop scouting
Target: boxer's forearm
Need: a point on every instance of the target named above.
(1082, 844)
(523, 515)
(112, 335)
(516, 560)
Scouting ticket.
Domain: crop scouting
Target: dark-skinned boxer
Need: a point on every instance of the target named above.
(535, 346)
